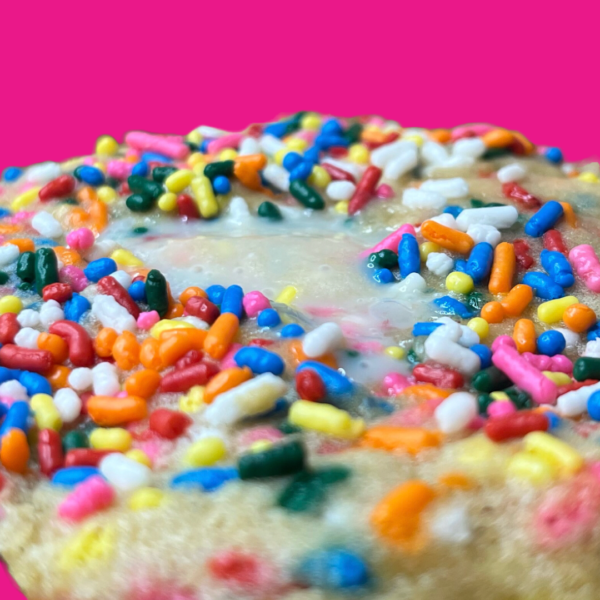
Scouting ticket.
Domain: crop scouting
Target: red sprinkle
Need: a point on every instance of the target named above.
(9, 327)
(186, 207)
(85, 457)
(203, 309)
(524, 259)
(57, 188)
(16, 357)
(516, 192)
(81, 347)
(575, 385)
(553, 240)
(61, 292)
(365, 190)
(438, 376)
(309, 385)
(50, 452)
(260, 342)
(183, 379)
(515, 425)
(169, 424)
(337, 174)
(109, 286)
(189, 358)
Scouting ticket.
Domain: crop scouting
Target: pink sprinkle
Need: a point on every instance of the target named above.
(587, 266)
(227, 362)
(322, 311)
(254, 302)
(558, 363)
(375, 347)
(171, 146)
(394, 383)
(391, 241)
(263, 432)
(231, 140)
(384, 191)
(501, 409)
(477, 128)
(306, 134)
(146, 320)
(22, 215)
(119, 169)
(477, 423)
(81, 239)
(503, 340)
(89, 497)
(74, 276)
(377, 121)
(122, 394)
(89, 160)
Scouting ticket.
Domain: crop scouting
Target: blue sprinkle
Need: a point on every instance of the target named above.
(221, 185)
(325, 142)
(425, 328)
(207, 479)
(215, 293)
(332, 127)
(140, 169)
(312, 155)
(544, 219)
(16, 418)
(551, 342)
(334, 569)
(3, 410)
(480, 261)
(137, 291)
(35, 383)
(12, 173)
(451, 306)
(593, 406)
(76, 307)
(543, 286)
(558, 267)
(335, 383)
(554, 420)
(383, 276)
(291, 160)
(90, 175)
(453, 210)
(554, 155)
(155, 157)
(292, 330)
(100, 268)
(278, 129)
(593, 333)
(409, 257)
(72, 476)
(302, 171)
(268, 317)
(44, 242)
(7, 374)
(259, 360)
(204, 145)
(484, 353)
(4, 212)
(232, 301)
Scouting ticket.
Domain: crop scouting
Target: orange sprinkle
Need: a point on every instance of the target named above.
(126, 351)
(457, 480)
(408, 439)
(87, 193)
(104, 342)
(579, 317)
(498, 138)
(569, 214)
(524, 335)
(55, 345)
(441, 136)
(426, 391)
(58, 376)
(455, 241)
(298, 355)
(225, 380)
(175, 343)
(517, 300)
(150, 354)
(503, 269)
(14, 452)
(6, 229)
(492, 312)
(221, 334)
(190, 292)
(24, 244)
(142, 383)
(67, 256)
(107, 411)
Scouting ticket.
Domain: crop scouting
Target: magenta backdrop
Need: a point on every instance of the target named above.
(105, 67)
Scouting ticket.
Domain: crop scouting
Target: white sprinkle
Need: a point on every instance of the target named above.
(46, 225)
(439, 264)
(340, 190)
(27, 337)
(8, 254)
(484, 233)
(68, 404)
(455, 187)
(277, 176)
(43, 172)
(514, 172)
(125, 474)
(414, 199)
(382, 156)
(471, 147)
(401, 165)
(434, 153)
(501, 217)
(81, 379)
(28, 318)
(456, 412)
(50, 313)
(248, 146)
(325, 338)
(111, 314)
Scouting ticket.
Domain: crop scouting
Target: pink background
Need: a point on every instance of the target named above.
(106, 67)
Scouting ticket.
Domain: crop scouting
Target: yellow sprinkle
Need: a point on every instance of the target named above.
(325, 418)
(553, 310)
(140, 457)
(205, 452)
(296, 144)
(481, 457)
(588, 177)
(261, 446)
(458, 282)
(228, 154)
(106, 194)
(92, 543)
(45, 412)
(25, 199)
(311, 121)
(479, 326)
(529, 467)
(113, 438)
(146, 498)
(553, 450)
(341, 207)
(195, 137)
(426, 248)
(359, 154)
(557, 377)
(10, 304)
(280, 155)
(107, 145)
(417, 139)
(205, 197)
(167, 202)
(287, 295)
(319, 177)
(193, 401)
(100, 166)
(395, 352)
(499, 397)
(196, 158)
(177, 182)
(126, 258)
(167, 324)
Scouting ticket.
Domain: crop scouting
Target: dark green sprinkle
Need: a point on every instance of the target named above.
(112, 182)
(26, 266)
(46, 269)
(306, 195)
(308, 490)
(75, 439)
(476, 300)
(288, 428)
(25, 287)
(412, 357)
(270, 211)
(3, 277)
(477, 203)
(277, 461)
(492, 153)
(139, 230)
(384, 259)
(193, 147)
(159, 174)
(156, 293)
(150, 190)
(352, 134)
(139, 203)
(586, 367)
(221, 167)
(518, 397)
(489, 380)
(352, 353)
(69, 201)
(483, 401)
